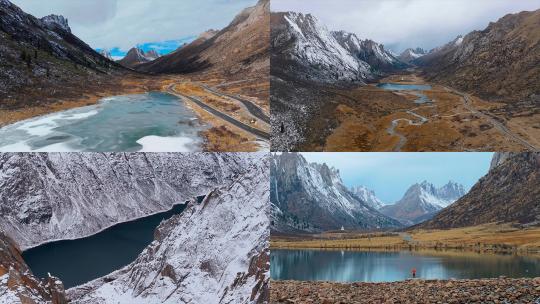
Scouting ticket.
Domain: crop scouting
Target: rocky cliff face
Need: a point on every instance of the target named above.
(214, 252)
(312, 198)
(43, 55)
(422, 201)
(508, 193)
(498, 63)
(18, 284)
(54, 196)
(239, 49)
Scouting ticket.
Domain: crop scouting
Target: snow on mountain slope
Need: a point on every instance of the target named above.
(316, 45)
(311, 198)
(379, 60)
(214, 252)
(422, 201)
(54, 196)
(411, 54)
(367, 196)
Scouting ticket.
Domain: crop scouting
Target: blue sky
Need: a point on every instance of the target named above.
(391, 174)
(119, 25)
(401, 24)
(162, 47)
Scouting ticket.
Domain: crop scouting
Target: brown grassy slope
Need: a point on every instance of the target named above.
(508, 193)
(499, 63)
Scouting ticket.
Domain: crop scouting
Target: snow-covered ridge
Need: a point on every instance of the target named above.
(368, 196)
(214, 252)
(55, 196)
(312, 197)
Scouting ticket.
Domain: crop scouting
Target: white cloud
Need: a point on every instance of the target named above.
(400, 24)
(126, 23)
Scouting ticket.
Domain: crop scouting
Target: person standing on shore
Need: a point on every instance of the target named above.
(413, 271)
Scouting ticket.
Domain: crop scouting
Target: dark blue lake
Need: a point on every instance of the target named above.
(79, 261)
(389, 266)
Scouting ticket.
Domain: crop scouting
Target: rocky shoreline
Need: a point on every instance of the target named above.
(501, 290)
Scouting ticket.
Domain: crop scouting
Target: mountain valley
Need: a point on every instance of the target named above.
(362, 98)
(222, 76)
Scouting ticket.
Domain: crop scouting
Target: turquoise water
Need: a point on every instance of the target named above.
(366, 266)
(79, 261)
(144, 122)
(415, 88)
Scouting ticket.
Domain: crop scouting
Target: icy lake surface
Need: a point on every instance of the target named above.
(390, 266)
(151, 122)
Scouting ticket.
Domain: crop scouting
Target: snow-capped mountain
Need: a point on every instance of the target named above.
(374, 54)
(411, 54)
(422, 201)
(136, 56)
(55, 196)
(312, 198)
(508, 193)
(368, 196)
(214, 252)
(325, 56)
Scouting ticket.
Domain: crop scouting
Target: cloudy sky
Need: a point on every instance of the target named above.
(391, 174)
(400, 24)
(123, 24)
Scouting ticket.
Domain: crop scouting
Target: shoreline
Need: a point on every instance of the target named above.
(494, 290)
(219, 137)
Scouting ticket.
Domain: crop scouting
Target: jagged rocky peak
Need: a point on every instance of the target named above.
(151, 54)
(311, 197)
(53, 21)
(411, 54)
(422, 201)
(368, 196)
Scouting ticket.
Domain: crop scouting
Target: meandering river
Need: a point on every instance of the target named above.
(151, 122)
(388, 266)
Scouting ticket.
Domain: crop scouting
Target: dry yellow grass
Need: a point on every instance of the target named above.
(485, 238)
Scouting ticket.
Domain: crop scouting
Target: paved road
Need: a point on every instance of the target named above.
(256, 132)
(501, 127)
(251, 107)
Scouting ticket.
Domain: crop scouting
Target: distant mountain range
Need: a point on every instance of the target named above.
(136, 56)
(422, 201)
(508, 193)
(310, 197)
(240, 48)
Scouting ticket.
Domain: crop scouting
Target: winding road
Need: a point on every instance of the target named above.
(252, 108)
(501, 127)
(254, 131)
